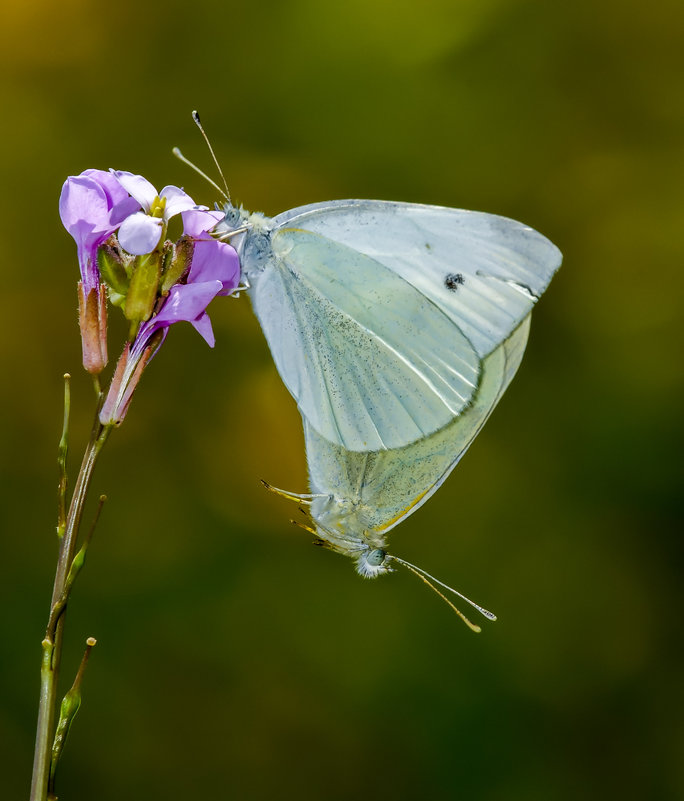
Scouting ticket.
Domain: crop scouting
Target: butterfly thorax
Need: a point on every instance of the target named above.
(341, 526)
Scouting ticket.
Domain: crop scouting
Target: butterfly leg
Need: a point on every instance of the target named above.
(305, 527)
(227, 235)
(304, 497)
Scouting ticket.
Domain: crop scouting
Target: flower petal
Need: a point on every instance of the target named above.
(112, 188)
(186, 302)
(137, 186)
(140, 234)
(176, 201)
(86, 213)
(128, 206)
(83, 207)
(203, 327)
(198, 221)
(215, 261)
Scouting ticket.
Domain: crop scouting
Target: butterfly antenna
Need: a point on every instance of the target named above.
(425, 576)
(176, 152)
(198, 123)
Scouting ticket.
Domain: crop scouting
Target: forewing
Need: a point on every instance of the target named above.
(372, 362)
(485, 272)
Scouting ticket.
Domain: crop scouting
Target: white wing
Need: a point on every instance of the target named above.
(378, 490)
(372, 363)
(321, 303)
(505, 265)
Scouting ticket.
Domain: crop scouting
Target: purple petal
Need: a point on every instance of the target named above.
(140, 234)
(83, 207)
(199, 221)
(112, 188)
(128, 206)
(215, 261)
(176, 201)
(186, 302)
(203, 327)
(85, 213)
(136, 186)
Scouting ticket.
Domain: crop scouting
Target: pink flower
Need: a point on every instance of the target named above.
(96, 204)
(214, 270)
(92, 206)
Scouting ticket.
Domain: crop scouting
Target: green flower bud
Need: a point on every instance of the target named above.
(142, 293)
(112, 269)
(176, 261)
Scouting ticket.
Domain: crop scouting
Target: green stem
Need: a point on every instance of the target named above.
(52, 643)
(62, 459)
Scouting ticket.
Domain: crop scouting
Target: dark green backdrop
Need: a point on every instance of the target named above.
(235, 661)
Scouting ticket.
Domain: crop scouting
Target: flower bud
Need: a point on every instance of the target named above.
(113, 271)
(92, 320)
(129, 370)
(142, 293)
(176, 262)
(108, 411)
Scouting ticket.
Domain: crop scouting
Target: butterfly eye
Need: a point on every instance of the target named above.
(376, 557)
(233, 217)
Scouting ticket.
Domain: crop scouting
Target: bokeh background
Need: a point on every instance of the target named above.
(236, 661)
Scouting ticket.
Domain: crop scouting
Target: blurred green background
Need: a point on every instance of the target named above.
(234, 660)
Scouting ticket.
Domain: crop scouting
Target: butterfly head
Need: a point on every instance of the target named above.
(373, 562)
(233, 218)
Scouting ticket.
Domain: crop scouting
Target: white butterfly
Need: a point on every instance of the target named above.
(396, 327)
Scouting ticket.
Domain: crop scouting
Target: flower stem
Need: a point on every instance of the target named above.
(62, 452)
(52, 642)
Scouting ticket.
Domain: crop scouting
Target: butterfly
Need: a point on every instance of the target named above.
(396, 327)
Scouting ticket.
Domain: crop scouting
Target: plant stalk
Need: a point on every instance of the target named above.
(52, 643)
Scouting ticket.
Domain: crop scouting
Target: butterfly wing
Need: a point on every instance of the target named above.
(498, 267)
(334, 283)
(372, 363)
(384, 487)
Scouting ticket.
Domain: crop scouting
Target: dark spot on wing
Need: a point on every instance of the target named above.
(453, 281)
